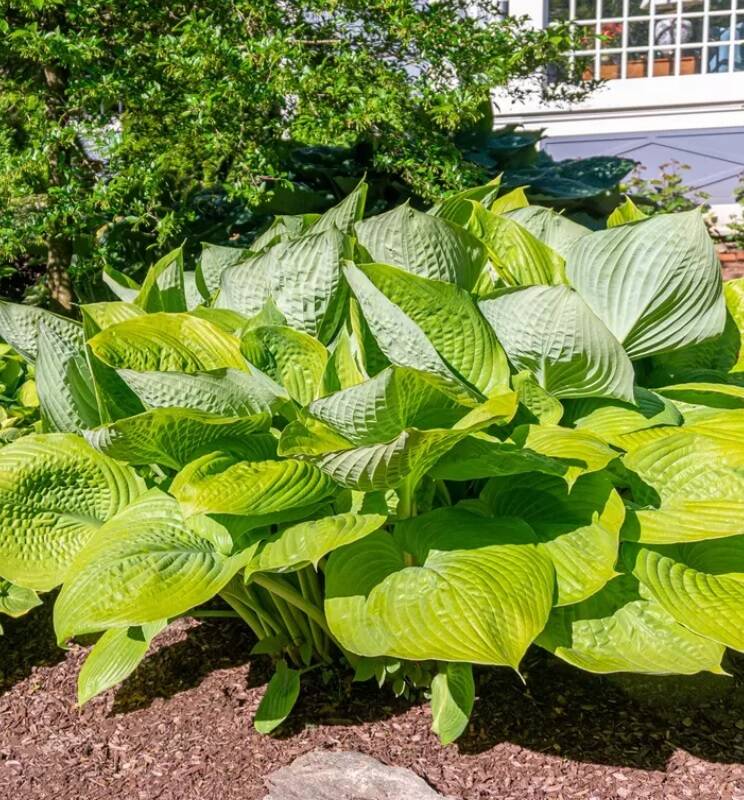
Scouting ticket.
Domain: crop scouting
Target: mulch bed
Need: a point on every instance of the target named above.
(180, 728)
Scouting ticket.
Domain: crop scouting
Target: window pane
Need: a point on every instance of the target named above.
(612, 8)
(691, 30)
(718, 58)
(690, 62)
(720, 5)
(612, 33)
(586, 36)
(610, 66)
(640, 8)
(637, 33)
(638, 64)
(558, 10)
(719, 28)
(663, 63)
(586, 9)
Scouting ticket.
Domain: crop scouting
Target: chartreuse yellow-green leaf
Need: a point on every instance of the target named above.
(279, 699)
(167, 342)
(551, 332)
(15, 601)
(626, 212)
(622, 628)
(173, 436)
(449, 585)
(701, 584)
(114, 657)
(686, 486)
(577, 529)
(307, 542)
(55, 492)
(147, 563)
(734, 294)
(223, 484)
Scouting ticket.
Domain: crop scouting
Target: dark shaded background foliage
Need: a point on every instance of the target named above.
(127, 125)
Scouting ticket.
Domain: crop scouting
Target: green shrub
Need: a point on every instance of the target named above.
(412, 444)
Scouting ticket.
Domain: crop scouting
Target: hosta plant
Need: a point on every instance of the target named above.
(409, 443)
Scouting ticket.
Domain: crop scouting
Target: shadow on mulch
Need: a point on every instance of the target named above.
(614, 720)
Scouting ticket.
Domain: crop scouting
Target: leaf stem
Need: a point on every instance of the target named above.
(280, 588)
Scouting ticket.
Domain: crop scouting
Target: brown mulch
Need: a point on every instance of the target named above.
(180, 728)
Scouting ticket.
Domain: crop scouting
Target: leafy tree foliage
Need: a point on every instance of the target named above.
(138, 111)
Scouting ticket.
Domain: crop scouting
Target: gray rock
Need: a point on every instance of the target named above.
(323, 775)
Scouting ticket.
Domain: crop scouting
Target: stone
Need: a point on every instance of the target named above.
(323, 775)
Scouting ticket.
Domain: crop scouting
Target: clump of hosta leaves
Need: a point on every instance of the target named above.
(407, 444)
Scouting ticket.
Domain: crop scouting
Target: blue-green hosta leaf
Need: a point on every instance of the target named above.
(656, 284)
(550, 331)
(626, 212)
(64, 384)
(279, 699)
(610, 420)
(120, 284)
(381, 407)
(423, 245)
(581, 452)
(307, 542)
(385, 465)
(623, 628)
(15, 601)
(430, 325)
(734, 293)
(452, 698)
(222, 484)
(173, 436)
(295, 360)
(578, 529)
(19, 327)
(701, 584)
(449, 585)
(225, 392)
(55, 492)
(686, 486)
(167, 342)
(104, 315)
(146, 564)
(345, 214)
(191, 291)
(551, 228)
(520, 258)
(303, 278)
(213, 261)
(114, 657)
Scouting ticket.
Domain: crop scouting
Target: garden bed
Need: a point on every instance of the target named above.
(180, 728)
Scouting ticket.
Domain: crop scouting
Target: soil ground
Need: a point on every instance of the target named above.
(180, 728)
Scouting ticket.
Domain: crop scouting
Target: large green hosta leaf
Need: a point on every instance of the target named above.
(295, 360)
(550, 331)
(423, 245)
(656, 284)
(553, 229)
(225, 392)
(448, 585)
(701, 584)
(686, 486)
(371, 467)
(430, 325)
(104, 315)
(167, 342)
(578, 530)
(213, 261)
(146, 564)
(520, 258)
(55, 492)
(64, 384)
(173, 436)
(734, 294)
(715, 395)
(163, 288)
(623, 628)
(222, 484)
(19, 327)
(345, 214)
(15, 601)
(301, 276)
(307, 542)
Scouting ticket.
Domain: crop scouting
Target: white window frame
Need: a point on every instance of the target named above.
(658, 94)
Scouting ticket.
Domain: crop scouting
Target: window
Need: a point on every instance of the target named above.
(655, 38)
